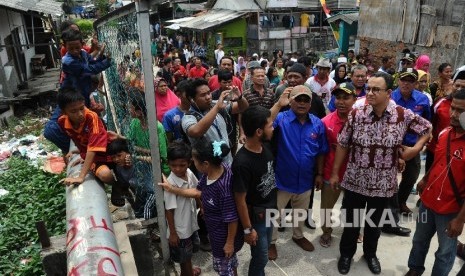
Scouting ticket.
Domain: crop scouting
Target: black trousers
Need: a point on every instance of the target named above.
(351, 203)
(409, 178)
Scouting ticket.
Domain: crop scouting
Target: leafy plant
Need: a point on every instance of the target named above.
(102, 7)
(33, 196)
(86, 26)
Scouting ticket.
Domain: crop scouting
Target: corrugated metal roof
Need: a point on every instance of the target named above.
(346, 17)
(285, 4)
(43, 6)
(178, 20)
(341, 4)
(191, 7)
(236, 5)
(210, 19)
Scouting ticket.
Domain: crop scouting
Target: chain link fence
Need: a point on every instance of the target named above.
(127, 109)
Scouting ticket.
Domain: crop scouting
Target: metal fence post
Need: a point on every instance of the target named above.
(142, 13)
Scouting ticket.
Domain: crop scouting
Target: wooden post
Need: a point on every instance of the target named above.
(43, 234)
(459, 56)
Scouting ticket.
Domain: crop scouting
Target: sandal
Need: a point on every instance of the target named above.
(117, 198)
(196, 271)
(325, 240)
(360, 238)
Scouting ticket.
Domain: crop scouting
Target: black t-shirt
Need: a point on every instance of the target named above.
(253, 173)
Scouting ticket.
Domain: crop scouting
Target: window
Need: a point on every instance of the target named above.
(231, 42)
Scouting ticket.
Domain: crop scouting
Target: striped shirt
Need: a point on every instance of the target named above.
(219, 210)
(254, 98)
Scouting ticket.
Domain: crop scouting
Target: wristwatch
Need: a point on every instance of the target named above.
(248, 230)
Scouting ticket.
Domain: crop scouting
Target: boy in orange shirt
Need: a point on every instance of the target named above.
(89, 135)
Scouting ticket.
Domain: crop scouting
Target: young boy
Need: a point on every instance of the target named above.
(139, 136)
(86, 130)
(254, 184)
(118, 150)
(181, 211)
(78, 67)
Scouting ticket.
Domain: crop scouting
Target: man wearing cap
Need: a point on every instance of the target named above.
(301, 145)
(296, 75)
(226, 63)
(442, 190)
(345, 97)
(321, 83)
(372, 137)
(407, 61)
(408, 97)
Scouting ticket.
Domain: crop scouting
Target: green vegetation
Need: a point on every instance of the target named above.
(102, 7)
(86, 26)
(34, 195)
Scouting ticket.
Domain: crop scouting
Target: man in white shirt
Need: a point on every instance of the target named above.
(219, 53)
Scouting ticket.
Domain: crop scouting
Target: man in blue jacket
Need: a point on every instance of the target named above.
(301, 146)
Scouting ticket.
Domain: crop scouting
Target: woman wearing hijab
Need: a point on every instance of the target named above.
(423, 84)
(422, 63)
(240, 62)
(340, 73)
(165, 99)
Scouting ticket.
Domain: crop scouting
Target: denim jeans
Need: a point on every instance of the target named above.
(55, 134)
(259, 252)
(428, 224)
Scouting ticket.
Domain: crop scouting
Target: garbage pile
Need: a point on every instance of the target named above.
(32, 148)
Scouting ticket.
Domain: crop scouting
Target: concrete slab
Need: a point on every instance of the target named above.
(125, 250)
(393, 252)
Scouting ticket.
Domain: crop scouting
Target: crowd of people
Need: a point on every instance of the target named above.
(243, 136)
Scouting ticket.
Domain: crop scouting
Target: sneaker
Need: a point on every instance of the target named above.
(272, 252)
(304, 244)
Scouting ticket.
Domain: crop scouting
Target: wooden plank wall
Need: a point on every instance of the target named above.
(381, 19)
(410, 21)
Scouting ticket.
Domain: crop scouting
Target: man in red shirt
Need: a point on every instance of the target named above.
(442, 192)
(345, 97)
(178, 71)
(441, 118)
(226, 63)
(197, 71)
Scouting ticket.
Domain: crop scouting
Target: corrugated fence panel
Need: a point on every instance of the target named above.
(381, 19)
(458, 12)
(428, 23)
(410, 20)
